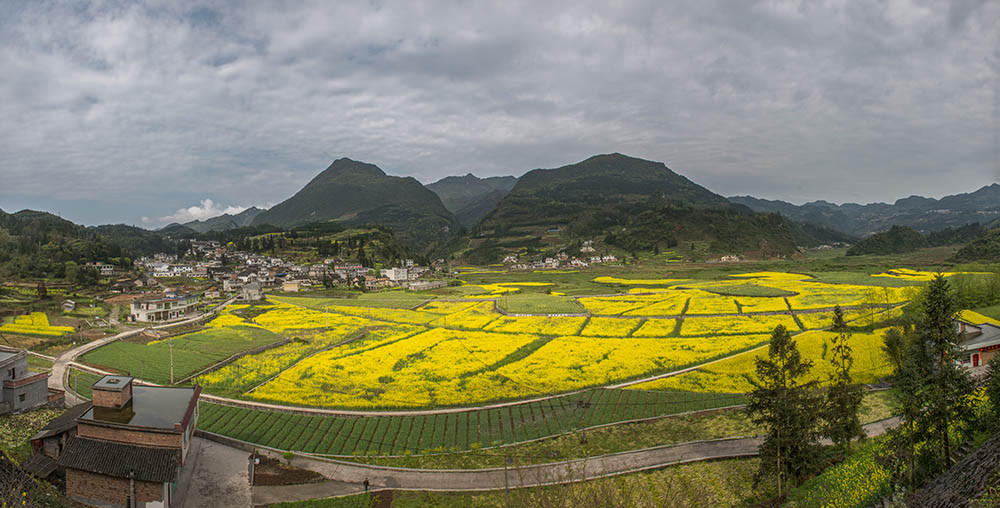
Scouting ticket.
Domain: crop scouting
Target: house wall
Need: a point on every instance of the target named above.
(129, 436)
(87, 487)
(35, 394)
(112, 398)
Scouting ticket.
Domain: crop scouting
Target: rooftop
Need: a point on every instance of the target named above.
(158, 407)
(119, 460)
(4, 356)
(113, 383)
(990, 336)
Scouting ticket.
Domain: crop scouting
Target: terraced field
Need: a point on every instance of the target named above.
(405, 435)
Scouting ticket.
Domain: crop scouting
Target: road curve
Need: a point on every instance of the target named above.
(347, 477)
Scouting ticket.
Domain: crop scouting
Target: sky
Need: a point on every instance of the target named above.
(153, 112)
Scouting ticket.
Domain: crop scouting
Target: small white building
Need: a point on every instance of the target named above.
(162, 308)
(395, 275)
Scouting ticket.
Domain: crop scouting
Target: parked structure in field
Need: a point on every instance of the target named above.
(980, 342)
(22, 389)
(131, 446)
(48, 443)
(162, 308)
(251, 292)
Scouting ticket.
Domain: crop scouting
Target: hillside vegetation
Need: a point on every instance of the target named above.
(354, 193)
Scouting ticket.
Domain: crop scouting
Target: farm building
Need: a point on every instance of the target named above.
(131, 446)
(165, 308)
(980, 342)
(22, 389)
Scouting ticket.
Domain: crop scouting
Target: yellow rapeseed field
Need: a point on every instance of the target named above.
(729, 375)
(36, 323)
(656, 328)
(735, 325)
(609, 327)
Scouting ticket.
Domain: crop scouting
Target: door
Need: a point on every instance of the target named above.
(975, 360)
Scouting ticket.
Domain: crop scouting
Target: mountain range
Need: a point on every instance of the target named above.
(470, 197)
(358, 193)
(922, 214)
(225, 221)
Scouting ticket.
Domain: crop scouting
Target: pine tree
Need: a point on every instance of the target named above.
(784, 405)
(843, 399)
(949, 384)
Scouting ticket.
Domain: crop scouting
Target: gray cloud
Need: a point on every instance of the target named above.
(155, 107)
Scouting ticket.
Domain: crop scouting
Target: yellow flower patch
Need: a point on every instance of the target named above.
(36, 323)
(762, 304)
(703, 302)
(736, 325)
(656, 328)
(540, 325)
(473, 318)
(609, 327)
(977, 318)
(728, 375)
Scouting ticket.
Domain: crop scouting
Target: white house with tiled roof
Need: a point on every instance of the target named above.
(980, 341)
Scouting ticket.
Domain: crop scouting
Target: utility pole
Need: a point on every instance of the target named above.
(171, 360)
(506, 482)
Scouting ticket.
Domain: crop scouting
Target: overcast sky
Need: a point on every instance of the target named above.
(146, 113)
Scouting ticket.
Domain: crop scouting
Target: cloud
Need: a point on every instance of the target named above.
(206, 210)
(153, 105)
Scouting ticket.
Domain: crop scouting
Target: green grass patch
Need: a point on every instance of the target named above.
(16, 430)
(355, 501)
(38, 364)
(539, 303)
(81, 381)
(191, 352)
(992, 311)
(748, 289)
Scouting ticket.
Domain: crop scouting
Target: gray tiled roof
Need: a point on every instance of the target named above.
(116, 459)
(990, 336)
(63, 423)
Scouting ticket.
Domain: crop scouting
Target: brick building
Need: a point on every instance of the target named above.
(22, 389)
(131, 445)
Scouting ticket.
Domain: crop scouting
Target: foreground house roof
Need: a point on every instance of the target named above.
(116, 459)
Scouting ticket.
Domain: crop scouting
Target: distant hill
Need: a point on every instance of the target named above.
(920, 213)
(985, 248)
(627, 203)
(470, 197)
(896, 240)
(588, 191)
(225, 221)
(355, 193)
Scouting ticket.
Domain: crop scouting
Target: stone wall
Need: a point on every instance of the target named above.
(84, 486)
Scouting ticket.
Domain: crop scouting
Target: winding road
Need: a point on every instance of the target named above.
(345, 478)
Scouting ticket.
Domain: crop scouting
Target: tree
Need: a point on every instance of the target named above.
(843, 399)
(72, 271)
(932, 391)
(893, 344)
(993, 389)
(949, 384)
(783, 404)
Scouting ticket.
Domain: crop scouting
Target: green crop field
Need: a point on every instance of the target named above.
(191, 352)
(405, 435)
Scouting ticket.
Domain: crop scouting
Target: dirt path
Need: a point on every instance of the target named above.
(347, 478)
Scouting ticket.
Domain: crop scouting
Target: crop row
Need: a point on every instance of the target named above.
(400, 435)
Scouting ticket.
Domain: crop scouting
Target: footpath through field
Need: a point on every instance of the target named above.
(345, 478)
(57, 379)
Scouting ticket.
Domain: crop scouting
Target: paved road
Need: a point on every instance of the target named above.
(347, 477)
(218, 476)
(60, 367)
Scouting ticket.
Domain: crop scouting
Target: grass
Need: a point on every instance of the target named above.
(191, 352)
(539, 303)
(857, 482)
(748, 289)
(992, 311)
(386, 300)
(355, 501)
(38, 364)
(618, 438)
(81, 381)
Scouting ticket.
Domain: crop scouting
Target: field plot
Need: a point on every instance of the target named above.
(191, 352)
(398, 435)
(441, 353)
(729, 375)
(36, 323)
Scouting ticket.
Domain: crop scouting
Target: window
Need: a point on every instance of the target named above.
(10, 373)
(20, 397)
